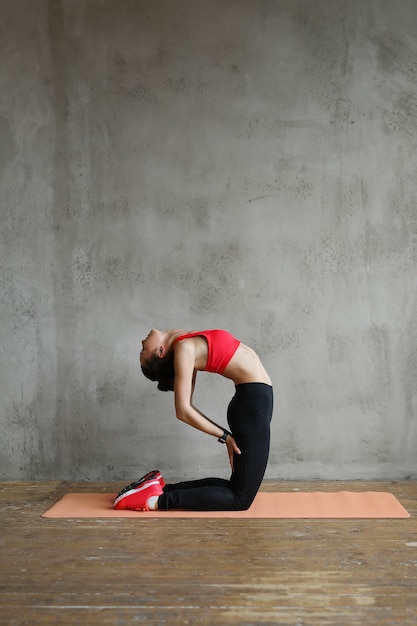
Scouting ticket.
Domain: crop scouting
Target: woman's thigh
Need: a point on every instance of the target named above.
(249, 417)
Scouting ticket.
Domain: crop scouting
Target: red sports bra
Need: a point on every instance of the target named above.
(221, 347)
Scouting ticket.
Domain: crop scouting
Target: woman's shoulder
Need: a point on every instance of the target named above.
(193, 350)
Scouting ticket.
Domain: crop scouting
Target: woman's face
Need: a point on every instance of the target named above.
(150, 345)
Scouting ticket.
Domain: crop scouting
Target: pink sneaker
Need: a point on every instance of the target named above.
(154, 475)
(136, 498)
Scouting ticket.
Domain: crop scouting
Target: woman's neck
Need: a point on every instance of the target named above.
(172, 335)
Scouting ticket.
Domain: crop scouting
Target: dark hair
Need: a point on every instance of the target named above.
(161, 370)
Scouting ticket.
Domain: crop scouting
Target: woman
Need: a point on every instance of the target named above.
(173, 358)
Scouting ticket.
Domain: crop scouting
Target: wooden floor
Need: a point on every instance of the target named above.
(204, 571)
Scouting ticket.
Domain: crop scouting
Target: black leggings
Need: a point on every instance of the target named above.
(248, 415)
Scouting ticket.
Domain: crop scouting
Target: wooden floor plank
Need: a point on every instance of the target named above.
(186, 571)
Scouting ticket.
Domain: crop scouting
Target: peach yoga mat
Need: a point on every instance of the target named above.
(340, 504)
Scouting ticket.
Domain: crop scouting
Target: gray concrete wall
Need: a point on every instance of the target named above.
(218, 163)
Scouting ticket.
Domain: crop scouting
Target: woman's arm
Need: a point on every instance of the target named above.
(185, 376)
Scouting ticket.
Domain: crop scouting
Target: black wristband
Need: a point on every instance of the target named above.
(223, 438)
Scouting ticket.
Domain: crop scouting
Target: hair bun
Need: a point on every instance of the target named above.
(166, 384)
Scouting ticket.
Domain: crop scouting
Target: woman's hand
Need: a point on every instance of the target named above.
(231, 448)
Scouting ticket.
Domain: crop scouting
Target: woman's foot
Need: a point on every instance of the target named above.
(136, 495)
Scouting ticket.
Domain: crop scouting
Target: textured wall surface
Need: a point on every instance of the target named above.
(224, 163)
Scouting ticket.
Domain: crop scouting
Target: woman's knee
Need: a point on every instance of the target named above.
(243, 503)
